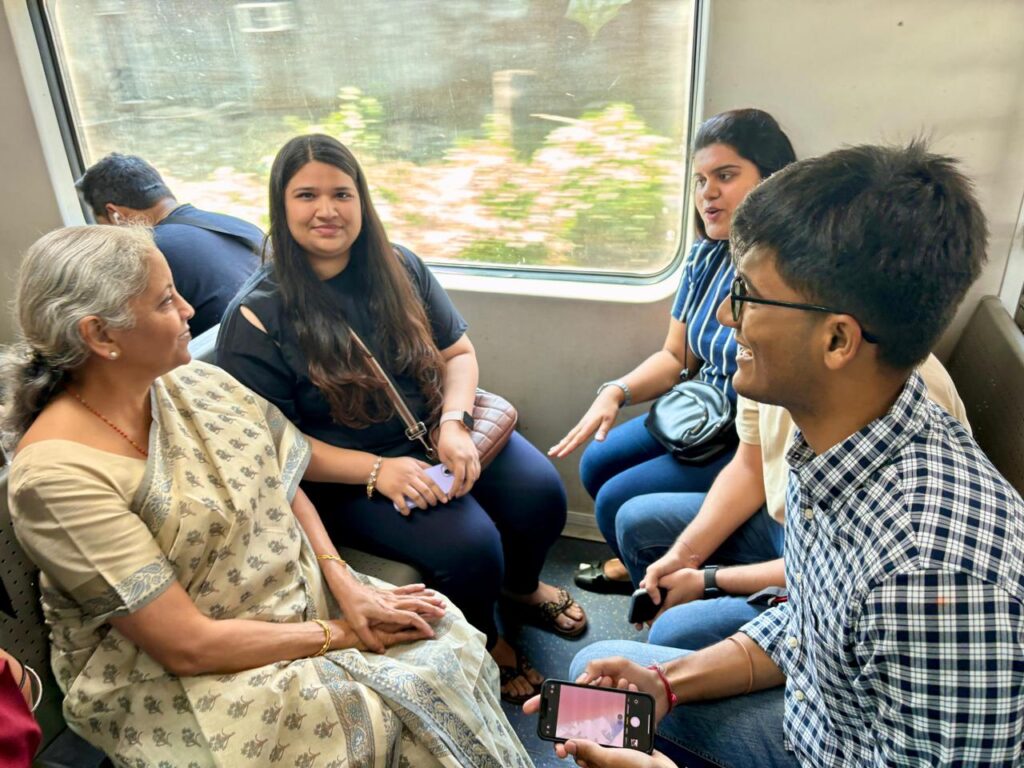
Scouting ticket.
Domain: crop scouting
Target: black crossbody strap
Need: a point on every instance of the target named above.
(414, 430)
(184, 217)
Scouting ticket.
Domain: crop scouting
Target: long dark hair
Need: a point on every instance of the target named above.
(754, 135)
(336, 366)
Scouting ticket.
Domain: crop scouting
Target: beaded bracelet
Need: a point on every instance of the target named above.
(327, 637)
(371, 481)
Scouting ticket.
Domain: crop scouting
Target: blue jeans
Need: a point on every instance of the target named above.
(629, 462)
(496, 537)
(646, 528)
(737, 732)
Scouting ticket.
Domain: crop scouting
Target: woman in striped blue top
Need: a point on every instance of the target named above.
(732, 153)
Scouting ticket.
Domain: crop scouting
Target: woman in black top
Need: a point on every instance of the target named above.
(286, 336)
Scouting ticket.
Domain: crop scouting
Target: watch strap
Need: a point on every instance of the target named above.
(711, 582)
(462, 417)
(628, 399)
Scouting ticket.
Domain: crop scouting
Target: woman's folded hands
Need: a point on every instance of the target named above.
(381, 618)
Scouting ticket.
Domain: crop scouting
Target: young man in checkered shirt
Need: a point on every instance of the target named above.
(902, 643)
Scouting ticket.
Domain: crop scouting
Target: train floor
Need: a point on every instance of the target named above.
(552, 654)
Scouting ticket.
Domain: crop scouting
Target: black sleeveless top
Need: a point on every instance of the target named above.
(273, 366)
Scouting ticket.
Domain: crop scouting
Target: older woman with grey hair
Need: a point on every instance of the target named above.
(199, 612)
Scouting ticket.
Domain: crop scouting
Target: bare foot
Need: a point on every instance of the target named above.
(615, 570)
(504, 655)
(568, 620)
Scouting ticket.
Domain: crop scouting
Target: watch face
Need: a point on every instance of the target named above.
(467, 420)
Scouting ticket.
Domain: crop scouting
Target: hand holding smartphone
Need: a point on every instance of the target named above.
(607, 716)
(642, 608)
(441, 475)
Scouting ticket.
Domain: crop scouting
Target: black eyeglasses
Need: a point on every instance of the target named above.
(738, 294)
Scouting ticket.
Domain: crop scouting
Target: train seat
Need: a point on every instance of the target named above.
(987, 366)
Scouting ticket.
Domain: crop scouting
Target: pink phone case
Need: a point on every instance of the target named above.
(441, 476)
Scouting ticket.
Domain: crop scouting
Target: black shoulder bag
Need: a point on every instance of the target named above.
(693, 421)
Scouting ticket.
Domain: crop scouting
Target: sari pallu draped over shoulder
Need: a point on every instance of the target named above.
(212, 511)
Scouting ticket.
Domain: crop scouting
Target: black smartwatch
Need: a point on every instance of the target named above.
(711, 589)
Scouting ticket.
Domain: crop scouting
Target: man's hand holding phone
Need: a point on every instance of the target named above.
(672, 589)
(619, 717)
(595, 756)
(642, 608)
(617, 672)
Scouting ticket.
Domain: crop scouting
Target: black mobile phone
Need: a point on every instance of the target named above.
(642, 607)
(608, 716)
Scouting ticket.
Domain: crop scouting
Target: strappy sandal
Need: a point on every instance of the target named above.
(545, 615)
(522, 669)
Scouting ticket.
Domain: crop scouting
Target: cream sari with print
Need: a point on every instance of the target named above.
(210, 508)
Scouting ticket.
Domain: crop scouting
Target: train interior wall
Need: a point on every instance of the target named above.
(849, 71)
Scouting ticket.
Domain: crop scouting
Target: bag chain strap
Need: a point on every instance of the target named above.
(414, 430)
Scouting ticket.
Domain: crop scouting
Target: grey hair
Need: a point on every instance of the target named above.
(66, 276)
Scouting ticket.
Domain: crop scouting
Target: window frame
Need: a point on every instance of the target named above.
(517, 274)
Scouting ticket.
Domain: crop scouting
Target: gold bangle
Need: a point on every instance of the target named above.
(371, 481)
(750, 663)
(327, 637)
(331, 557)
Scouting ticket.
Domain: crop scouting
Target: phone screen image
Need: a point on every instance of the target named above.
(607, 716)
(595, 715)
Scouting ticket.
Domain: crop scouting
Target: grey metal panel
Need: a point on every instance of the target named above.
(987, 366)
(24, 634)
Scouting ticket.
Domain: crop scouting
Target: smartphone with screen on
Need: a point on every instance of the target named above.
(441, 475)
(642, 608)
(608, 716)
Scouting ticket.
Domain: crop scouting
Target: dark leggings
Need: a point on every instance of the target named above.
(496, 537)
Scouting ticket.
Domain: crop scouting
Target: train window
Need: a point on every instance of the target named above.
(524, 135)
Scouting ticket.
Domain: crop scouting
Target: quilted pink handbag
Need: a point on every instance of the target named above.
(494, 417)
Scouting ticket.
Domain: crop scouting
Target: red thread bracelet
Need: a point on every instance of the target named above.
(672, 698)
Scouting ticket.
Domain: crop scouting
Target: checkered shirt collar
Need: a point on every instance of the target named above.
(847, 465)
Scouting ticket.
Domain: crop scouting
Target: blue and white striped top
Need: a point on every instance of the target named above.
(706, 281)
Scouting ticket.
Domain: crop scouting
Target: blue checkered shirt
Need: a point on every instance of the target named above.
(903, 638)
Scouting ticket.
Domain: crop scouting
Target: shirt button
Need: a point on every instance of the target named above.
(799, 577)
(798, 695)
(792, 642)
(808, 514)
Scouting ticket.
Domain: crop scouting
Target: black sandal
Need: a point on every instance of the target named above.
(508, 674)
(545, 615)
(591, 577)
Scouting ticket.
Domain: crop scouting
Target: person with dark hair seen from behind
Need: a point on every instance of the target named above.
(733, 152)
(199, 613)
(902, 642)
(20, 691)
(288, 338)
(210, 254)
